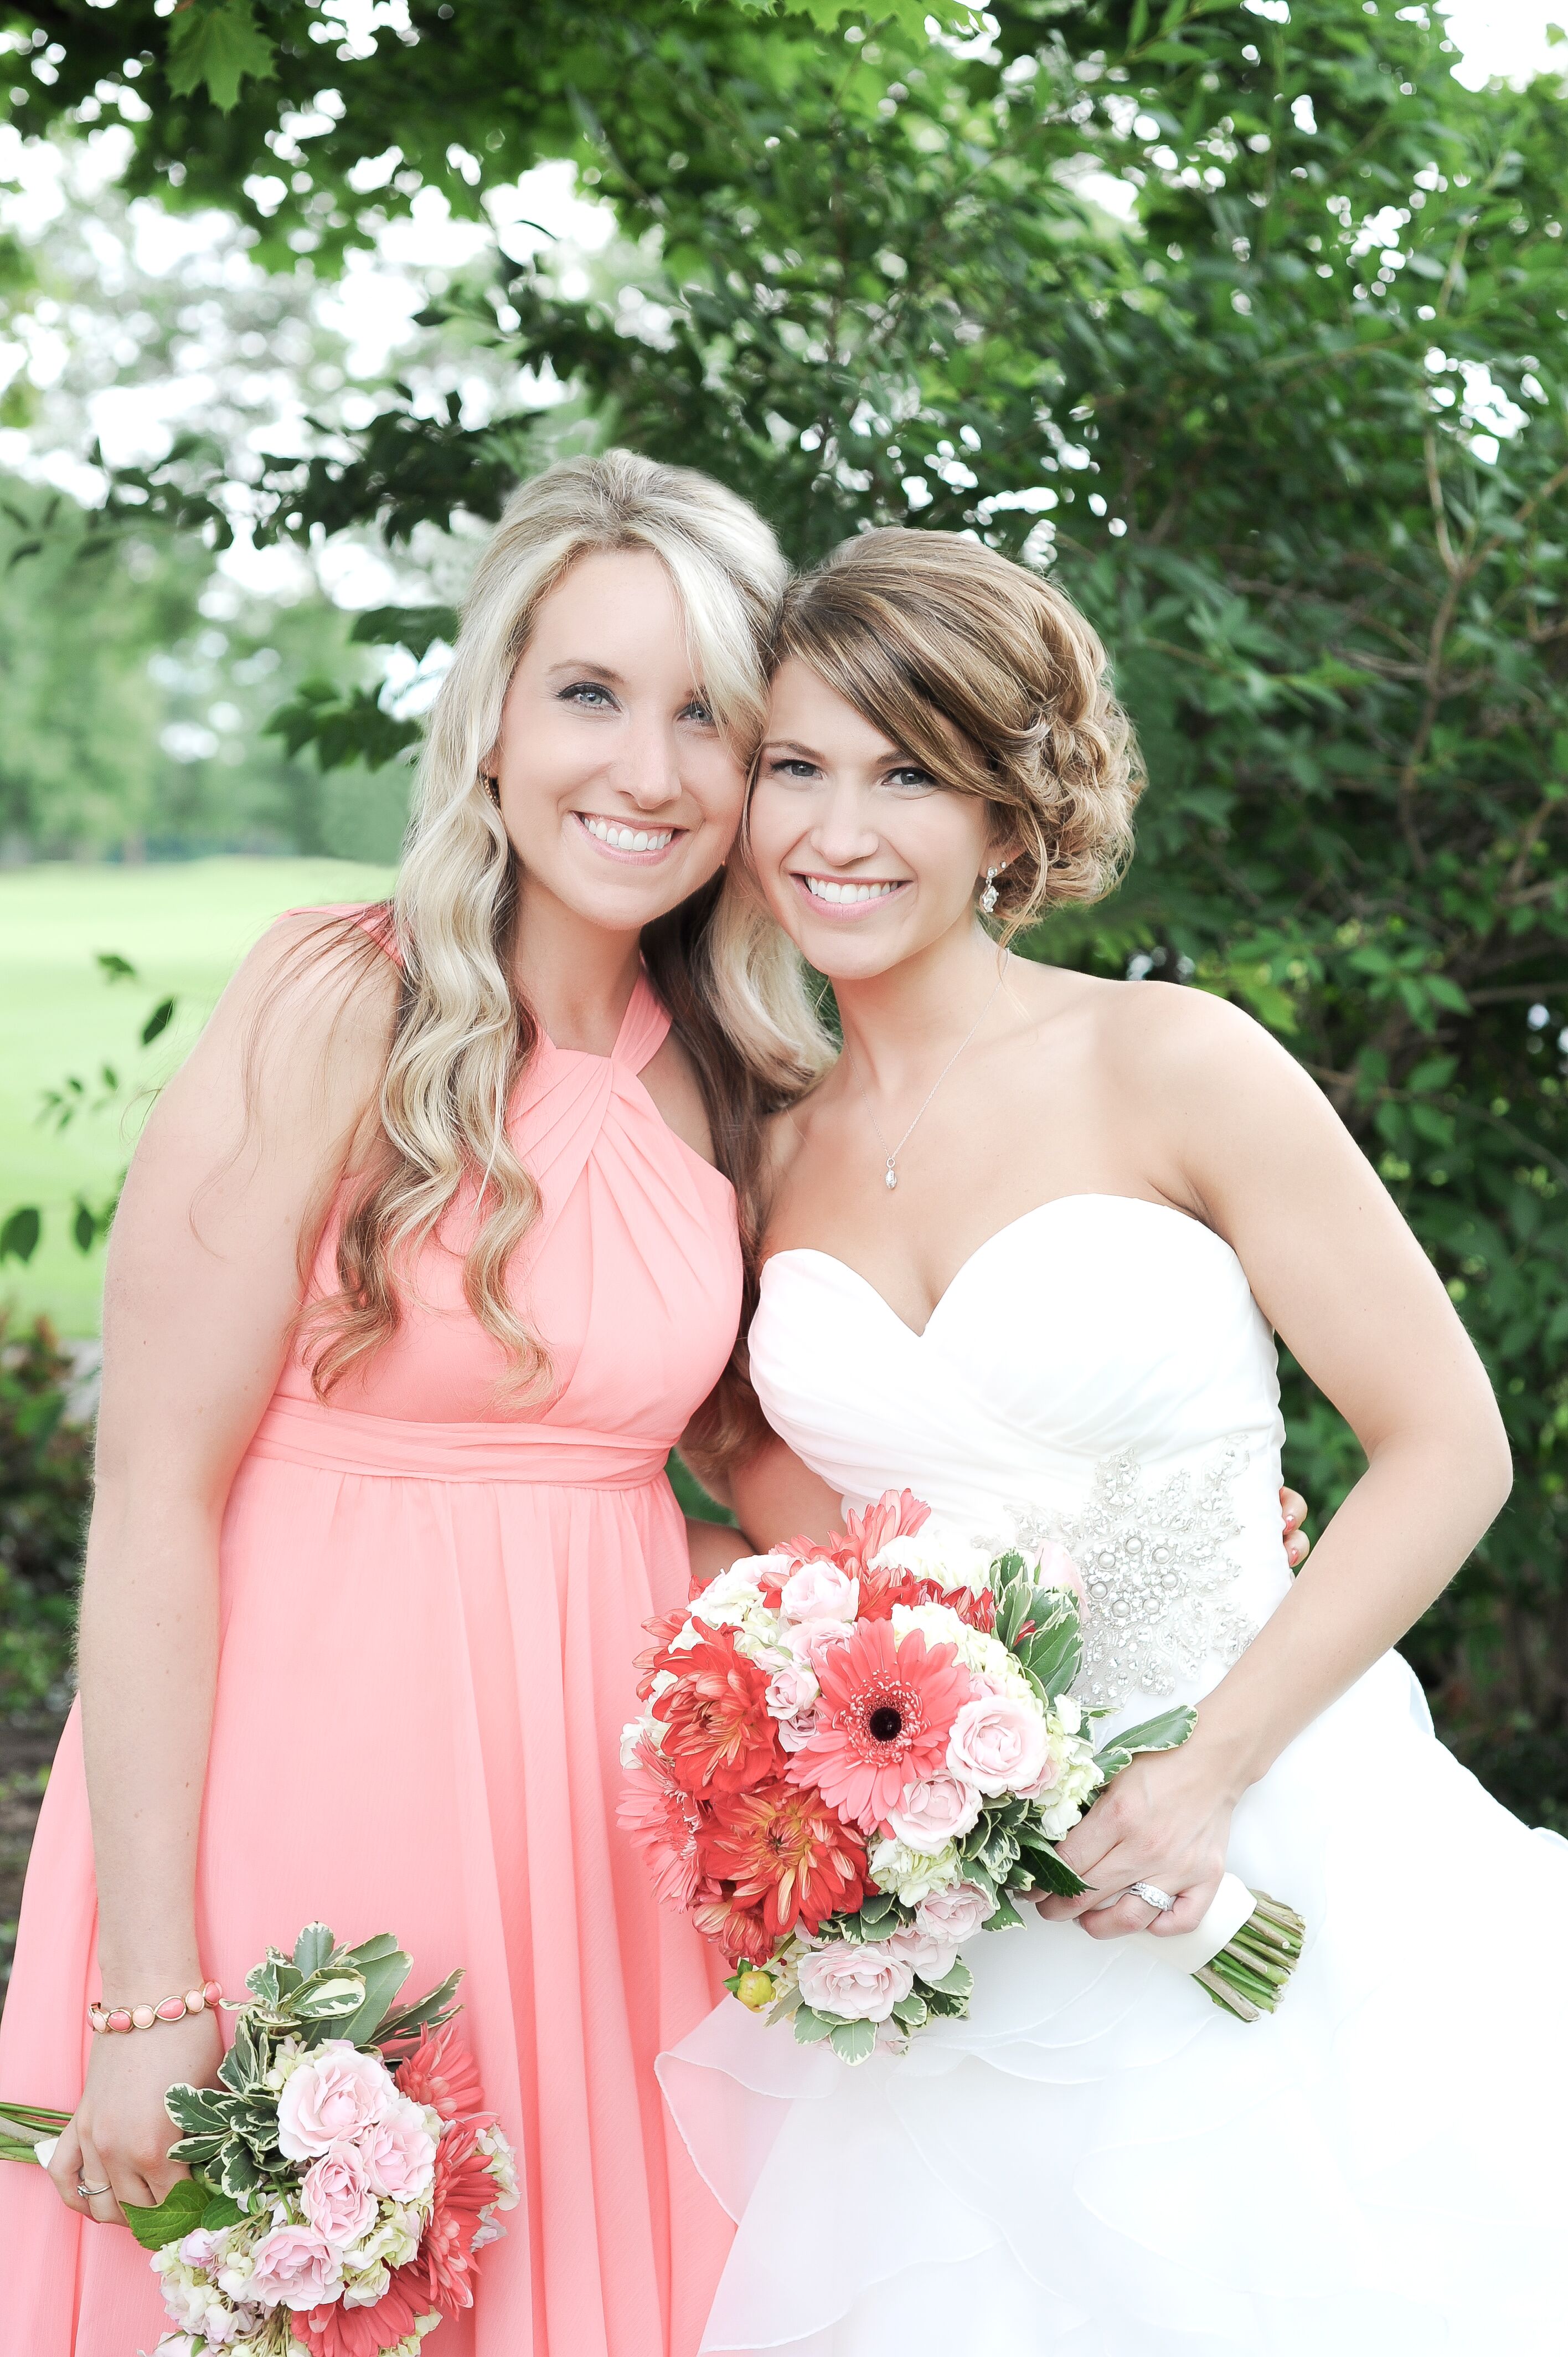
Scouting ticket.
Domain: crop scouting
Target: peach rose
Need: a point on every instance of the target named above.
(399, 2153)
(998, 1742)
(855, 1980)
(293, 2266)
(332, 2097)
(336, 2197)
(940, 1809)
(820, 1591)
(954, 1914)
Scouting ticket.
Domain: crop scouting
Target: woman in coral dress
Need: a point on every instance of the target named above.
(364, 1588)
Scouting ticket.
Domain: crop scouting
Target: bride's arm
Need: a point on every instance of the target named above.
(202, 1287)
(1252, 1148)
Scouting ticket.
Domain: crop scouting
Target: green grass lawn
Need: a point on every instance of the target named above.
(183, 926)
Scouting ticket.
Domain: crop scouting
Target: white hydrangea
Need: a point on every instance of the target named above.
(502, 2163)
(1079, 1780)
(910, 1875)
(288, 2056)
(646, 1729)
(981, 1655)
(940, 1554)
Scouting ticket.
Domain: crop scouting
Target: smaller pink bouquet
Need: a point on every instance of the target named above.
(344, 2174)
(856, 1755)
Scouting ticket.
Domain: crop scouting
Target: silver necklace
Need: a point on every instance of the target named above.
(890, 1172)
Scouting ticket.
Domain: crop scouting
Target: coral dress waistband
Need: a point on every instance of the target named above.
(342, 1440)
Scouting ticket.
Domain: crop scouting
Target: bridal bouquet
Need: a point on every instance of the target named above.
(856, 1754)
(344, 2172)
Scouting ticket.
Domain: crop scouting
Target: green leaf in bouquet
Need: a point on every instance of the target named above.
(372, 1951)
(248, 2060)
(1004, 1917)
(220, 2212)
(940, 2002)
(198, 2111)
(329, 1996)
(176, 2215)
(313, 1949)
(877, 1903)
(852, 2041)
(382, 1978)
(1053, 1652)
(238, 2173)
(1166, 1732)
(957, 1981)
(261, 1980)
(785, 2007)
(1049, 1873)
(810, 2027)
(911, 2011)
(428, 2014)
(197, 2151)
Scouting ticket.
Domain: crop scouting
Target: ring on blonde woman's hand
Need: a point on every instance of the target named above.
(1151, 1896)
(92, 2192)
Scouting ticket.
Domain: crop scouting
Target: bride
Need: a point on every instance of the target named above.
(1029, 1246)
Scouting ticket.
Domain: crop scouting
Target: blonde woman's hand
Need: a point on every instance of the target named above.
(120, 2134)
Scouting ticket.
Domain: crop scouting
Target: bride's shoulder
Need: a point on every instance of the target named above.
(1161, 1038)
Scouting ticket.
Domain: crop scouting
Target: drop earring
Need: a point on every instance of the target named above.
(988, 897)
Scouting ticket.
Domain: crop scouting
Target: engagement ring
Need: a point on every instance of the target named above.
(1151, 1896)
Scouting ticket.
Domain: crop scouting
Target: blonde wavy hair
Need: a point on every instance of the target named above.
(991, 678)
(733, 987)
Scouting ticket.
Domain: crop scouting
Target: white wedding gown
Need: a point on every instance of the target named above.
(1096, 2162)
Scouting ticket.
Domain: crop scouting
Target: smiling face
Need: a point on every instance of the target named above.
(618, 792)
(863, 856)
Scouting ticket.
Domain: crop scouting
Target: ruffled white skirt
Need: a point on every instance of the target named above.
(1097, 2163)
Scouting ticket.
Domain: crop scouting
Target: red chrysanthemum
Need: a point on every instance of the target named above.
(741, 1931)
(664, 1821)
(718, 1734)
(338, 2331)
(886, 1709)
(440, 2071)
(441, 2276)
(784, 1849)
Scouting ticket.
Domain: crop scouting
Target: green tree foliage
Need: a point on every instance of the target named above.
(46, 1471)
(1287, 417)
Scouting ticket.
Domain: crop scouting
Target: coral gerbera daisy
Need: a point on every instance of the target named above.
(785, 1850)
(440, 2277)
(664, 1821)
(886, 1707)
(335, 2331)
(438, 2070)
(718, 1731)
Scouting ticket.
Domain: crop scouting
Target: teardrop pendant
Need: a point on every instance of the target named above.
(891, 1177)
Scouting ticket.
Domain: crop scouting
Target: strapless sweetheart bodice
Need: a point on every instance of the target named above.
(1098, 1371)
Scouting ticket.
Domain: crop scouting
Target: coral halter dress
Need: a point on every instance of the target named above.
(430, 1606)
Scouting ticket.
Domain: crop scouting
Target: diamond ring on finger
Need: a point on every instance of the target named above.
(1151, 1896)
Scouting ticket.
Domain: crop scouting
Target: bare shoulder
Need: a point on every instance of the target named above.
(1163, 1037)
(302, 1033)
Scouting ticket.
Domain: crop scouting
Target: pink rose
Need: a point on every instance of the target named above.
(999, 1743)
(924, 1953)
(810, 1640)
(199, 2249)
(293, 2266)
(331, 2098)
(954, 1914)
(1044, 1779)
(1057, 1569)
(399, 2153)
(335, 2196)
(791, 1691)
(855, 1980)
(940, 1809)
(820, 1591)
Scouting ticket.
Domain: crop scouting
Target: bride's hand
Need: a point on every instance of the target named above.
(1165, 1820)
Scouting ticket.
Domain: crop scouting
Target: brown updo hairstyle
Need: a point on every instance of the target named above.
(992, 679)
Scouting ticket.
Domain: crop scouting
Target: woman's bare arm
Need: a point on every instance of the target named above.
(202, 1288)
(1258, 1152)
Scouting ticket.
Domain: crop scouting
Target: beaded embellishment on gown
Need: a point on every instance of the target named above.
(1096, 2163)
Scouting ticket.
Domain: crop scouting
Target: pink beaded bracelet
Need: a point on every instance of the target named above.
(146, 2017)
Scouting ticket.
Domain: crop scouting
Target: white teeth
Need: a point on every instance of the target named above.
(624, 838)
(823, 888)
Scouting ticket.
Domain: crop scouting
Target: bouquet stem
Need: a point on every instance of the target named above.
(1251, 1972)
(24, 2125)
